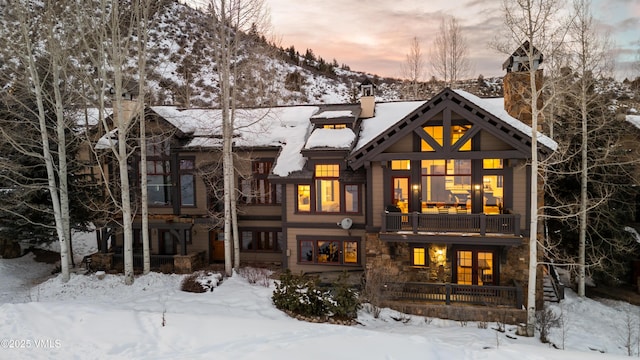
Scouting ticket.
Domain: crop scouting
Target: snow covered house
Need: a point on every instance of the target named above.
(429, 198)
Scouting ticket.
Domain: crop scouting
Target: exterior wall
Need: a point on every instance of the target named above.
(490, 142)
(393, 260)
(377, 188)
(520, 195)
(403, 145)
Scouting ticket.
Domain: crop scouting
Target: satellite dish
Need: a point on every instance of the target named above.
(345, 223)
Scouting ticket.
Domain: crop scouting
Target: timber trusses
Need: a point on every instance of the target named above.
(447, 102)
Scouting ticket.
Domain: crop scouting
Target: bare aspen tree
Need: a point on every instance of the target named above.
(27, 50)
(532, 22)
(413, 69)
(229, 18)
(142, 16)
(449, 54)
(592, 157)
(590, 59)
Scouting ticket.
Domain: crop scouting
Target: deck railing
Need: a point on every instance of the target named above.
(476, 223)
(504, 296)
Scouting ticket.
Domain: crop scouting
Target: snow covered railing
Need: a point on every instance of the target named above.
(476, 223)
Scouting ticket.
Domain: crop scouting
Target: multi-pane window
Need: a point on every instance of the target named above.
(261, 240)
(446, 181)
(419, 256)
(327, 188)
(328, 194)
(334, 126)
(159, 184)
(400, 165)
(304, 198)
(328, 252)
(258, 189)
(457, 132)
(437, 133)
(492, 164)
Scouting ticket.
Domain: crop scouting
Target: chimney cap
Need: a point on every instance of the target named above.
(519, 59)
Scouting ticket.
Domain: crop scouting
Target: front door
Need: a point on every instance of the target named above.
(475, 267)
(216, 247)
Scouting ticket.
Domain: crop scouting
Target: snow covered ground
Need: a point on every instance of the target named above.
(89, 318)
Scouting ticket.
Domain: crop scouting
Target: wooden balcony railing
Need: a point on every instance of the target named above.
(504, 296)
(469, 223)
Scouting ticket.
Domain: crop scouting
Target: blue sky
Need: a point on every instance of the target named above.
(374, 35)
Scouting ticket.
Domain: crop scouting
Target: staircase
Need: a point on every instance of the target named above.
(552, 288)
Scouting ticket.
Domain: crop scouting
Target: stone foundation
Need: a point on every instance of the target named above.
(102, 261)
(182, 264)
(186, 264)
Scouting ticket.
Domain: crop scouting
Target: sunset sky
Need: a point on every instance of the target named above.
(374, 36)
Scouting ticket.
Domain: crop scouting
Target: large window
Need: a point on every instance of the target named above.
(258, 189)
(327, 188)
(159, 184)
(328, 194)
(261, 240)
(437, 133)
(446, 184)
(328, 252)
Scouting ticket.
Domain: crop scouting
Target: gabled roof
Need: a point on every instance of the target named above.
(377, 137)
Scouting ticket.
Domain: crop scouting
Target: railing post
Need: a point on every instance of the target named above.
(483, 224)
(516, 229)
(519, 296)
(414, 220)
(447, 296)
(384, 222)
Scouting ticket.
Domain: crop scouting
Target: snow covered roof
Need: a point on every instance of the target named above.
(331, 138)
(332, 114)
(634, 120)
(386, 115)
(285, 127)
(495, 106)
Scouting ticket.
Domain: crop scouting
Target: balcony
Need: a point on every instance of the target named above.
(498, 229)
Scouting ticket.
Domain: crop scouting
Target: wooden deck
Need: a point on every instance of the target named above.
(466, 223)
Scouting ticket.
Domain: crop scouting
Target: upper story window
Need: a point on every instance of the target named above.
(400, 165)
(437, 133)
(492, 164)
(187, 182)
(258, 189)
(446, 182)
(327, 188)
(327, 194)
(457, 132)
(159, 184)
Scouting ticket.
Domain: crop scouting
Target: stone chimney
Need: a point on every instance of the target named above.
(517, 85)
(128, 100)
(367, 99)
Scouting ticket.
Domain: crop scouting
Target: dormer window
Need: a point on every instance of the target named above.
(334, 126)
